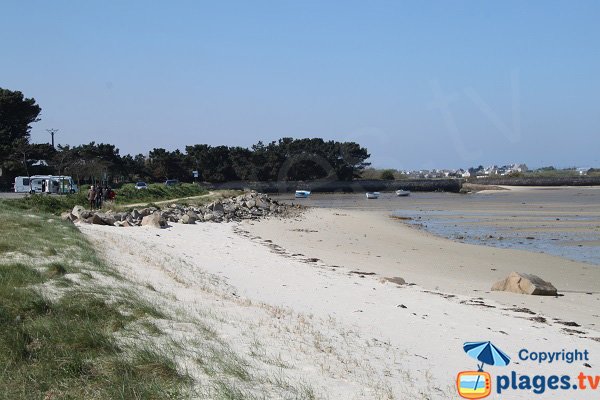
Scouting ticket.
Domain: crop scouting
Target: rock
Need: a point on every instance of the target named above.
(251, 205)
(261, 203)
(96, 220)
(218, 209)
(68, 216)
(186, 219)
(518, 282)
(193, 216)
(155, 220)
(120, 216)
(396, 279)
(107, 219)
(77, 210)
(85, 214)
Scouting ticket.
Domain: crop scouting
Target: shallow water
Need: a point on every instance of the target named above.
(558, 221)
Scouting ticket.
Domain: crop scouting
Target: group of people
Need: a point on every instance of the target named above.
(98, 194)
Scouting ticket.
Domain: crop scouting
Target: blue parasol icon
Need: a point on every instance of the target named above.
(487, 353)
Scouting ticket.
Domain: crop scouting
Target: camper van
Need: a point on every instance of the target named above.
(45, 184)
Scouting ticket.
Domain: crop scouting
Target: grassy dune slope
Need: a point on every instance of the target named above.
(63, 332)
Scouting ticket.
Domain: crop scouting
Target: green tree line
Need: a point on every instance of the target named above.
(284, 159)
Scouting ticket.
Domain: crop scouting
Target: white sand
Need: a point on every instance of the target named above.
(346, 335)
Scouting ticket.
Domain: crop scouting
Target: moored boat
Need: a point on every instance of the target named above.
(302, 194)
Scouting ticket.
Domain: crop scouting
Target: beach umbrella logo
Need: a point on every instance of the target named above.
(478, 384)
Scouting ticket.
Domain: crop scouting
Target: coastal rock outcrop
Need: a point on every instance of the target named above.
(518, 282)
(250, 205)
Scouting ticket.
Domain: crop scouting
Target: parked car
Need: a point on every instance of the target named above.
(171, 182)
(141, 185)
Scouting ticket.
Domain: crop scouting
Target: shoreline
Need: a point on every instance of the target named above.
(372, 242)
(290, 285)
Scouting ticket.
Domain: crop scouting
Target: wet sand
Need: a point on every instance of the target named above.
(561, 221)
(362, 236)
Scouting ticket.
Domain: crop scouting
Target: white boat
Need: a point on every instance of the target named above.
(302, 194)
(402, 193)
(373, 195)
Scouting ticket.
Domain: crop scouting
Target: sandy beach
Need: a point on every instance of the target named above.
(303, 299)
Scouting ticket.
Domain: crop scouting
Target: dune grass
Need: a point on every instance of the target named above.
(58, 339)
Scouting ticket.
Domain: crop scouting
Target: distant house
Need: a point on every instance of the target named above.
(582, 171)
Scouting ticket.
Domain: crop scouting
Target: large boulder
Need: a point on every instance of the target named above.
(192, 215)
(261, 203)
(218, 209)
(209, 216)
(155, 220)
(96, 219)
(107, 219)
(186, 219)
(77, 210)
(518, 282)
(68, 216)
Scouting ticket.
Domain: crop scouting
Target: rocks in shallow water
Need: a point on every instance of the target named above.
(248, 206)
(517, 282)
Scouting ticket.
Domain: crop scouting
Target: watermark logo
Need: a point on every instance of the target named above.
(478, 384)
(474, 384)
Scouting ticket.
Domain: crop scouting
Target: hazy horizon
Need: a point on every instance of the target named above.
(420, 85)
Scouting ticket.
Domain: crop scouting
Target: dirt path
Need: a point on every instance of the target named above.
(168, 201)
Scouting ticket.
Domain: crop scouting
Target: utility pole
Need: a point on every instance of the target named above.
(52, 132)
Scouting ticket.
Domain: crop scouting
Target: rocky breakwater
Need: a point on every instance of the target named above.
(247, 206)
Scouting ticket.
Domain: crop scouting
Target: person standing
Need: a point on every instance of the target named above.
(99, 197)
(92, 197)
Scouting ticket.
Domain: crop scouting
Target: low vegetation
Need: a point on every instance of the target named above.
(60, 327)
(157, 192)
(382, 174)
(127, 194)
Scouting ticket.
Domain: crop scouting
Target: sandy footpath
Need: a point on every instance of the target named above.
(286, 286)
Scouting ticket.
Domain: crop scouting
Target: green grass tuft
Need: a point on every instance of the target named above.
(66, 347)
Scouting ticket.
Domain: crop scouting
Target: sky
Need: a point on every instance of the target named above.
(420, 84)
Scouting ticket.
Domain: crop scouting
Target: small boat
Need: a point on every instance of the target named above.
(302, 194)
(402, 193)
(373, 195)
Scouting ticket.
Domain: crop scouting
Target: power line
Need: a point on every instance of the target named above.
(52, 132)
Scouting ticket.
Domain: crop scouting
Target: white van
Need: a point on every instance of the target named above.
(22, 184)
(45, 184)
